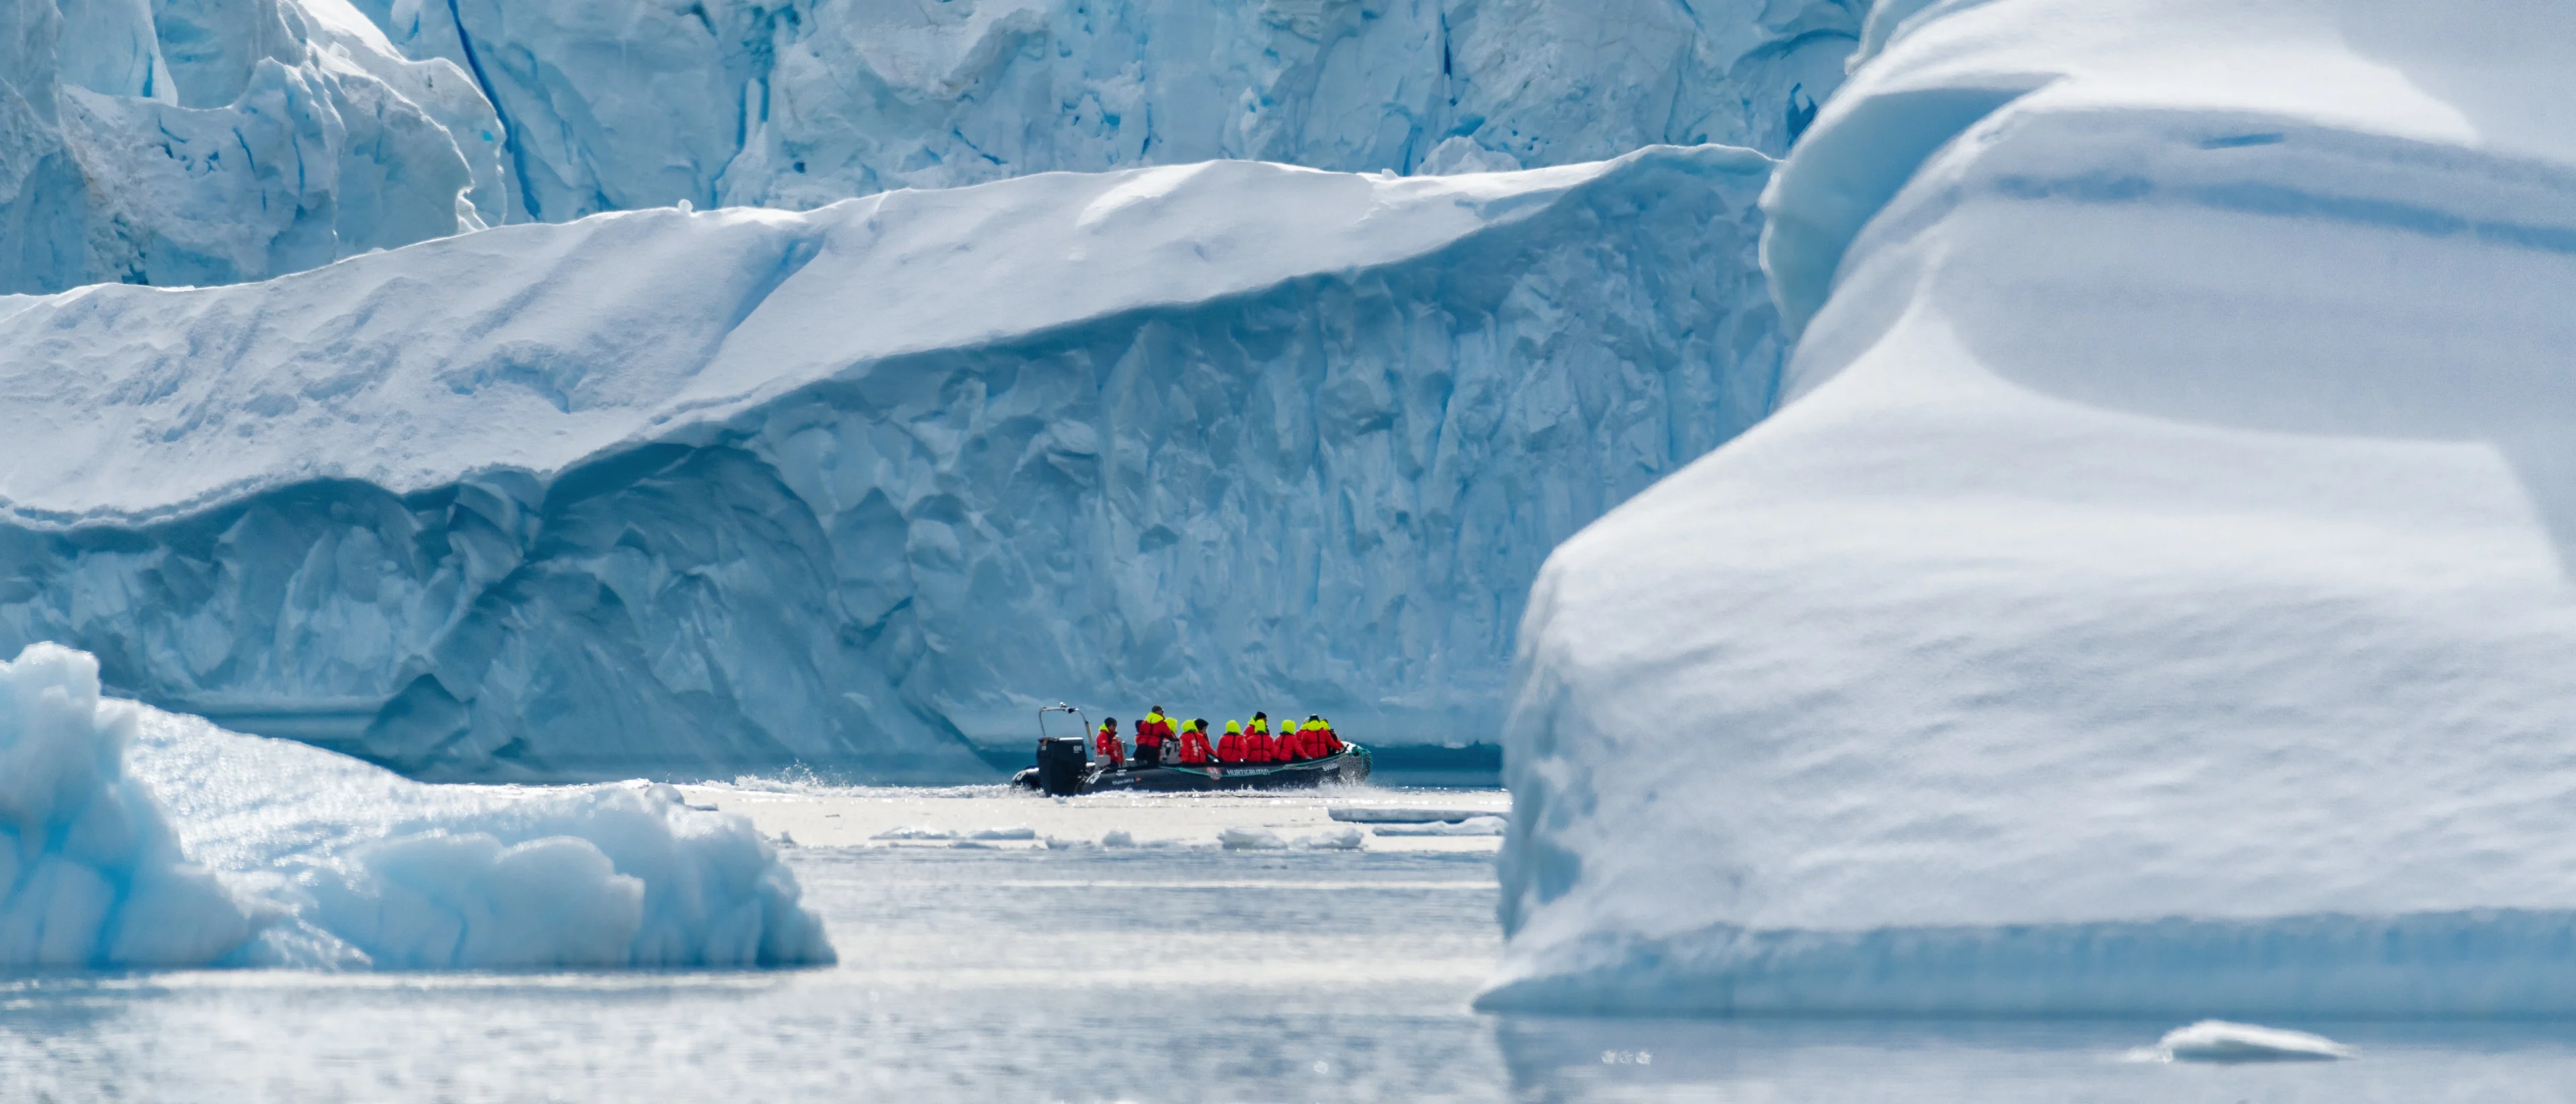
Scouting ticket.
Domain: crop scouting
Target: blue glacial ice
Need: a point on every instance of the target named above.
(611, 105)
(860, 487)
(2152, 595)
(178, 143)
(131, 837)
(181, 143)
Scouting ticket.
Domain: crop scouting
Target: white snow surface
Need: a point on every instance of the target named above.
(2155, 595)
(181, 143)
(613, 105)
(131, 837)
(713, 492)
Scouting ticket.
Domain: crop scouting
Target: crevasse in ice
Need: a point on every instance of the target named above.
(132, 837)
(2154, 595)
(861, 487)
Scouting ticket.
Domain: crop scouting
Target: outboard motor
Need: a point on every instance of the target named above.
(1061, 765)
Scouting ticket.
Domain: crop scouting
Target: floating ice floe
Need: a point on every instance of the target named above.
(1472, 826)
(1371, 814)
(915, 832)
(1334, 839)
(1245, 838)
(1250, 839)
(2222, 1041)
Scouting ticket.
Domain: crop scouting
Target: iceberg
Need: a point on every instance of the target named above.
(2152, 595)
(205, 144)
(611, 106)
(703, 493)
(135, 838)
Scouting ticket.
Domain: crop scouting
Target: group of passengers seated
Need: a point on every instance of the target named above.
(1157, 739)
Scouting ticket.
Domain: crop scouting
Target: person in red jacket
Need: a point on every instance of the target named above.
(1166, 742)
(1291, 743)
(1106, 745)
(1257, 745)
(1229, 747)
(1195, 751)
(1326, 743)
(1149, 745)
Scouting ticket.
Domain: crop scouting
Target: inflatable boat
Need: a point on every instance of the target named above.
(1065, 768)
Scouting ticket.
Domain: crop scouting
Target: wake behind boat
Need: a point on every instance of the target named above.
(1065, 767)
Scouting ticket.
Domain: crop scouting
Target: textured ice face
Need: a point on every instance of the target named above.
(131, 837)
(616, 105)
(2155, 596)
(185, 143)
(90, 872)
(658, 491)
(194, 143)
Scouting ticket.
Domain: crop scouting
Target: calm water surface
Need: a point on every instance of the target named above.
(1105, 975)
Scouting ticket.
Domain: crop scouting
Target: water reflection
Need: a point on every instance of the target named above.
(1598, 1061)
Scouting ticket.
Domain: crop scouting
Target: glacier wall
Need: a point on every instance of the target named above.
(612, 105)
(698, 493)
(185, 142)
(204, 143)
(2153, 595)
(130, 838)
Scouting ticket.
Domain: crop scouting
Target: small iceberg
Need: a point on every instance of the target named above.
(2221, 1041)
(131, 838)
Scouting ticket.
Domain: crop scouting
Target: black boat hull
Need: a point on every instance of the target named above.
(1350, 765)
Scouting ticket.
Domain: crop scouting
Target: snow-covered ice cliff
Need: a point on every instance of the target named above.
(131, 837)
(693, 492)
(613, 104)
(194, 143)
(2155, 595)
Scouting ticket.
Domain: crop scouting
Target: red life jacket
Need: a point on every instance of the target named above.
(1229, 747)
(1292, 746)
(1106, 744)
(1194, 748)
(1327, 743)
(1148, 736)
(1257, 748)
